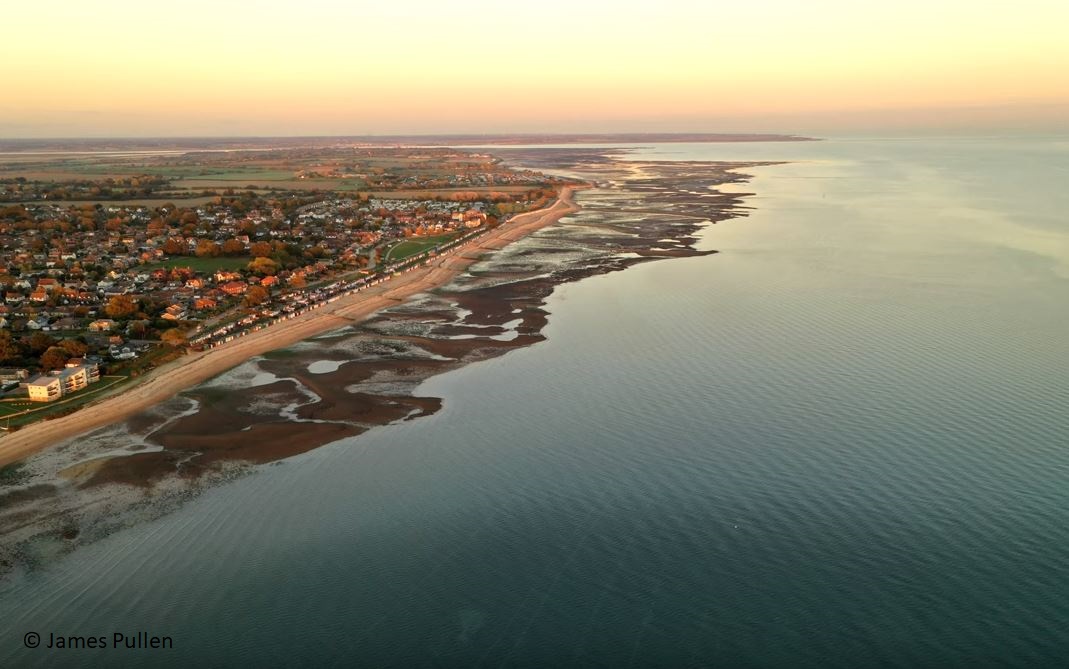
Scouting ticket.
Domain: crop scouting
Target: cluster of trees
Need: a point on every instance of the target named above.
(40, 348)
(117, 188)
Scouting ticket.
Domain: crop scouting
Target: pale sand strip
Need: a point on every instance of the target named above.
(166, 381)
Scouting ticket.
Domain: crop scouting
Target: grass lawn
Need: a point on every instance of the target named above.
(415, 246)
(8, 407)
(202, 265)
(40, 410)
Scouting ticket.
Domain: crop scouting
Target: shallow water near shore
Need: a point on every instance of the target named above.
(841, 441)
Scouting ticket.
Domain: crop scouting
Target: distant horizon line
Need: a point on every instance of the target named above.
(504, 137)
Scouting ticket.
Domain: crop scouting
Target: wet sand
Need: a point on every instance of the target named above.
(353, 365)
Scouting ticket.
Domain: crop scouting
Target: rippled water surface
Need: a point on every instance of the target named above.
(842, 441)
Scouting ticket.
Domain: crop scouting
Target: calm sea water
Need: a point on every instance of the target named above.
(843, 441)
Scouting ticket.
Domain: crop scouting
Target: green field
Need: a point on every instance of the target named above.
(411, 247)
(201, 265)
(195, 172)
(40, 410)
(232, 175)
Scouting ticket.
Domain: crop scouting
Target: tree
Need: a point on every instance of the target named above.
(174, 337)
(9, 348)
(297, 281)
(76, 348)
(54, 358)
(256, 295)
(121, 306)
(208, 248)
(263, 266)
(260, 249)
(233, 247)
(173, 247)
(138, 328)
(39, 342)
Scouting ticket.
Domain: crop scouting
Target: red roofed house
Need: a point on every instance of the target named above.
(234, 288)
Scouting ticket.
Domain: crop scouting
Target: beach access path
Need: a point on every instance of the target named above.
(168, 380)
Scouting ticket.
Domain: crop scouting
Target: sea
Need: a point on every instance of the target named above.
(842, 441)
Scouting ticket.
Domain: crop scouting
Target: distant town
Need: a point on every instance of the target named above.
(112, 265)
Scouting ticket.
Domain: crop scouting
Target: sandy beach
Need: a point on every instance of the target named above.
(167, 380)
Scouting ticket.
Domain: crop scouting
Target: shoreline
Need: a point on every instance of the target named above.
(168, 380)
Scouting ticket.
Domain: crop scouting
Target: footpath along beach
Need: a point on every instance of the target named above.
(190, 370)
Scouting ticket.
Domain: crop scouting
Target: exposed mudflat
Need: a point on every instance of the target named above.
(336, 386)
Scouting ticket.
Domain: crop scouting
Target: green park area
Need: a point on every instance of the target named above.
(202, 265)
(15, 413)
(414, 246)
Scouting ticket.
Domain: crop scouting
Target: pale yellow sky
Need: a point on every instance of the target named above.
(119, 68)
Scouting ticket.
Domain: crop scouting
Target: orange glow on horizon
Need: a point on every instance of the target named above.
(327, 67)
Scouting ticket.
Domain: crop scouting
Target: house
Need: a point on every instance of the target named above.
(45, 389)
(47, 285)
(51, 387)
(73, 378)
(175, 312)
(92, 368)
(102, 325)
(234, 288)
(13, 374)
(204, 303)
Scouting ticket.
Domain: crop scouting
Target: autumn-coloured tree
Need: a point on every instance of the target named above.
(263, 266)
(9, 348)
(138, 328)
(76, 348)
(233, 247)
(121, 306)
(39, 342)
(54, 358)
(173, 247)
(174, 337)
(206, 248)
(260, 249)
(256, 295)
(297, 281)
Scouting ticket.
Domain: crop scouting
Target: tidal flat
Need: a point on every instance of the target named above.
(337, 386)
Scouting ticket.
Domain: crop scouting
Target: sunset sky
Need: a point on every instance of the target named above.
(322, 67)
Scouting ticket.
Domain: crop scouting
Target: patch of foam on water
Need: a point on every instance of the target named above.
(266, 405)
(194, 407)
(510, 331)
(402, 327)
(118, 453)
(289, 412)
(115, 440)
(385, 382)
(246, 375)
(325, 366)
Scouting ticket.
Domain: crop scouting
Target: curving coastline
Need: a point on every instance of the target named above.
(166, 381)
